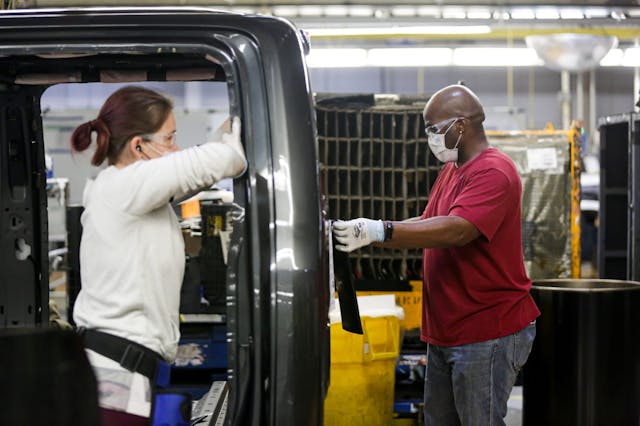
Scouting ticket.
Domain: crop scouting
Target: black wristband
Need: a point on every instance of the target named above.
(388, 231)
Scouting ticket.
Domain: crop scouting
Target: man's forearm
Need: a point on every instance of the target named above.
(435, 232)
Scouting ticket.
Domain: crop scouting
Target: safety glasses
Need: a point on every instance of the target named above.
(167, 140)
(437, 127)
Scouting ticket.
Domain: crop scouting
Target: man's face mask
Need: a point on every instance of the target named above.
(437, 141)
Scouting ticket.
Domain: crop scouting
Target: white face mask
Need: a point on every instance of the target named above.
(160, 153)
(438, 147)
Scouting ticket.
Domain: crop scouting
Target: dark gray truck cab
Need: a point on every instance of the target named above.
(277, 285)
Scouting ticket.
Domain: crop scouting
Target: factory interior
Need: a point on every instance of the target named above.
(271, 322)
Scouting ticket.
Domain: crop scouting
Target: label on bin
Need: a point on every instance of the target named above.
(542, 158)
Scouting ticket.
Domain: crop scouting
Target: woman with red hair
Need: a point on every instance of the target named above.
(132, 250)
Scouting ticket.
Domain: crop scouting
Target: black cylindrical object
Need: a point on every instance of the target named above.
(584, 368)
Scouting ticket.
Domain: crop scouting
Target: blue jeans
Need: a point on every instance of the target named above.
(469, 385)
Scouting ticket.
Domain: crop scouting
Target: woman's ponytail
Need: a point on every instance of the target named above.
(103, 136)
(81, 139)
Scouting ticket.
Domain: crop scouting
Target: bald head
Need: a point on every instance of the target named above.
(454, 101)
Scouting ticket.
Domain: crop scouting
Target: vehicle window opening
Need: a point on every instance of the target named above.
(203, 103)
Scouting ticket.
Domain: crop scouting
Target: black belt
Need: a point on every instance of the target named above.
(130, 355)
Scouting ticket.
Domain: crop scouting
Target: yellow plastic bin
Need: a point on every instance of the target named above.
(410, 301)
(362, 376)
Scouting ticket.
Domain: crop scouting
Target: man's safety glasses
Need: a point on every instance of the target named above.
(437, 127)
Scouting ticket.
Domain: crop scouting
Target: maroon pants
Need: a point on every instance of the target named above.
(118, 418)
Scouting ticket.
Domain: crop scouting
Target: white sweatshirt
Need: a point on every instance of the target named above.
(132, 250)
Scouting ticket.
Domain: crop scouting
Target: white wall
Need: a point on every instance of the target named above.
(534, 89)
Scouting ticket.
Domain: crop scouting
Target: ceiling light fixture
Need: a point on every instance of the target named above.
(613, 58)
(631, 57)
(285, 11)
(571, 52)
(547, 13)
(399, 31)
(453, 13)
(422, 57)
(429, 11)
(478, 13)
(335, 10)
(495, 56)
(522, 13)
(403, 11)
(596, 12)
(337, 58)
(571, 14)
(410, 57)
(361, 11)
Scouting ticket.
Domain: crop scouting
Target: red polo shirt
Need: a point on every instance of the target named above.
(479, 291)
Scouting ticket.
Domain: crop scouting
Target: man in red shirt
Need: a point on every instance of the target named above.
(478, 314)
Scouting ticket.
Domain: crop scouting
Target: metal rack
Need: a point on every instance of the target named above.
(375, 162)
(619, 229)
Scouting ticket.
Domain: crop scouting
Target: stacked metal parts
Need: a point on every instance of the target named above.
(375, 162)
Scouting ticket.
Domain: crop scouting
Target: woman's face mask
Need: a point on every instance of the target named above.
(436, 141)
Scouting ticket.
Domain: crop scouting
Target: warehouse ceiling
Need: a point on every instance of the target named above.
(332, 22)
(613, 3)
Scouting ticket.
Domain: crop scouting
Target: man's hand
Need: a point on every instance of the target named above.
(356, 233)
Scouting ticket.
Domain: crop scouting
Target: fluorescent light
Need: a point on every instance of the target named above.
(335, 10)
(244, 10)
(442, 56)
(310, 10)
(403, 11)
(391, 31)
(495, 56)
(453, 13)
(547, 13)
(285, 11)
(501, 15)
(478, 13)
(337, 58)
(521, 13)
(361, 11)
(613, 58)
(410, 57)
(571, 14)
(631, 57)
(596, 12)
(429, 11)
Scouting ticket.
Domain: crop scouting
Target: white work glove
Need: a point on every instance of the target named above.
(356, 233)
(233, 140)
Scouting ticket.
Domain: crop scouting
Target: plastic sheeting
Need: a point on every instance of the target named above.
(543, 164)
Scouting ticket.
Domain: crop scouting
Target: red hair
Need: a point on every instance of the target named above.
(128, 112)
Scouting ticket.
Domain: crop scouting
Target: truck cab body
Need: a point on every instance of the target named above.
(277, 288)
